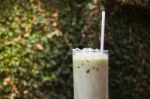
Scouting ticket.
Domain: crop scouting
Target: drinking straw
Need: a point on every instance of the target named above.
(102, 30)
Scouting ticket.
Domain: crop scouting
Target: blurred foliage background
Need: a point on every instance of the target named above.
(37, 37)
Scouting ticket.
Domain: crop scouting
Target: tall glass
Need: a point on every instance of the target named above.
(90, 74)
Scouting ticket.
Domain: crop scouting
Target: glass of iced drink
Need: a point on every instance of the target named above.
(90, 73)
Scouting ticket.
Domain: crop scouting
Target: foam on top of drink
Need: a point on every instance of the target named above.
(90, 53)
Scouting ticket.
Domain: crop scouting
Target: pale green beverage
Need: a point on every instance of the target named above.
(90, 74)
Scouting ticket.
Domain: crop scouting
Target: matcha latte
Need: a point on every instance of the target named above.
(90, 72)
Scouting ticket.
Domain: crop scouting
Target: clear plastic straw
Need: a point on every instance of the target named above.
(102, 31)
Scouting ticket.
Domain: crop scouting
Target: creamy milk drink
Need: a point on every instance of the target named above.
(90, 73)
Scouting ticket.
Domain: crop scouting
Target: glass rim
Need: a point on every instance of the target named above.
(90, 50)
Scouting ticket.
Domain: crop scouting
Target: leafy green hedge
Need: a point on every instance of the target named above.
(128, 42)
(36, 38)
